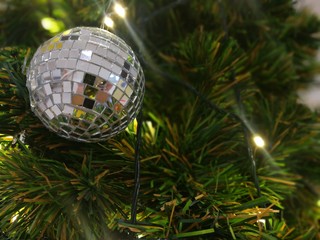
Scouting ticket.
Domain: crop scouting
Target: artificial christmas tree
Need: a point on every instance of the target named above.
(218, 74)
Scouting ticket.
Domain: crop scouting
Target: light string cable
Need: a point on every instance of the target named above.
(241, 117)
(136, 168)
(219, 111)
(135, 195)
(248, 136)
(233, 116)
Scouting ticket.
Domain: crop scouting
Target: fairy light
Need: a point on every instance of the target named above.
(108, 22)
(263, 221)
(51, 24)
(258, 141)
(14, 218)
(16, 215)
(120, 10)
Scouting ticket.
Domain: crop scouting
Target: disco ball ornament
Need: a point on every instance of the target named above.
(85, 84)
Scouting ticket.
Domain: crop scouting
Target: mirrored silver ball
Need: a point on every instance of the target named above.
(85, 84)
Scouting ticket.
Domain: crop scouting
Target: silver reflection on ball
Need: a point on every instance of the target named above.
(85, 84)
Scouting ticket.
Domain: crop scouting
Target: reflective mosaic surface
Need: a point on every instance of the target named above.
(85, 84)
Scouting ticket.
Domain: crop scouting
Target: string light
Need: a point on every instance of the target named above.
(258, 141)
(108, 22)
(14, 218)
(120, 10)
(51, 24)
(263, 221)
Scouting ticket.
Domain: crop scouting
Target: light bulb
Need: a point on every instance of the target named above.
(14, 218)
(108, 22)
(120, 10)
(51, 24)
(258, 141)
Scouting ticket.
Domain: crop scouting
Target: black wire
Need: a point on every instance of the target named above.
(235, 117)
(248, 135)
(246, 130)
(136, 169)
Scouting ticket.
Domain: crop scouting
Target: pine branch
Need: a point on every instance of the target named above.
(195, 177)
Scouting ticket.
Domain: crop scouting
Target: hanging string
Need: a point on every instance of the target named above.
(248, 136)
(235, 117)
(136, 170)
(246, 130)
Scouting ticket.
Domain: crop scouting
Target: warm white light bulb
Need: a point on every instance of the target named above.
(258, 141)
(120, 10)
(108, 21)
(50, 24)
(14, 218)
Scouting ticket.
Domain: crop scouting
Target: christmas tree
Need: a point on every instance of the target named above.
(221, 150)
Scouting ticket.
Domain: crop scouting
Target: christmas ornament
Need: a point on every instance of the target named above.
(85, 84)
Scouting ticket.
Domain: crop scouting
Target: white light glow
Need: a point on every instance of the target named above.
(318, 203)
(50, 24)
(14, 218)
(262, 221)
(108, 22)
(259, 141)
(120, 10)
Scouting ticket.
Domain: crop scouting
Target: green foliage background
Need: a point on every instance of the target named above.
(199, 56)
